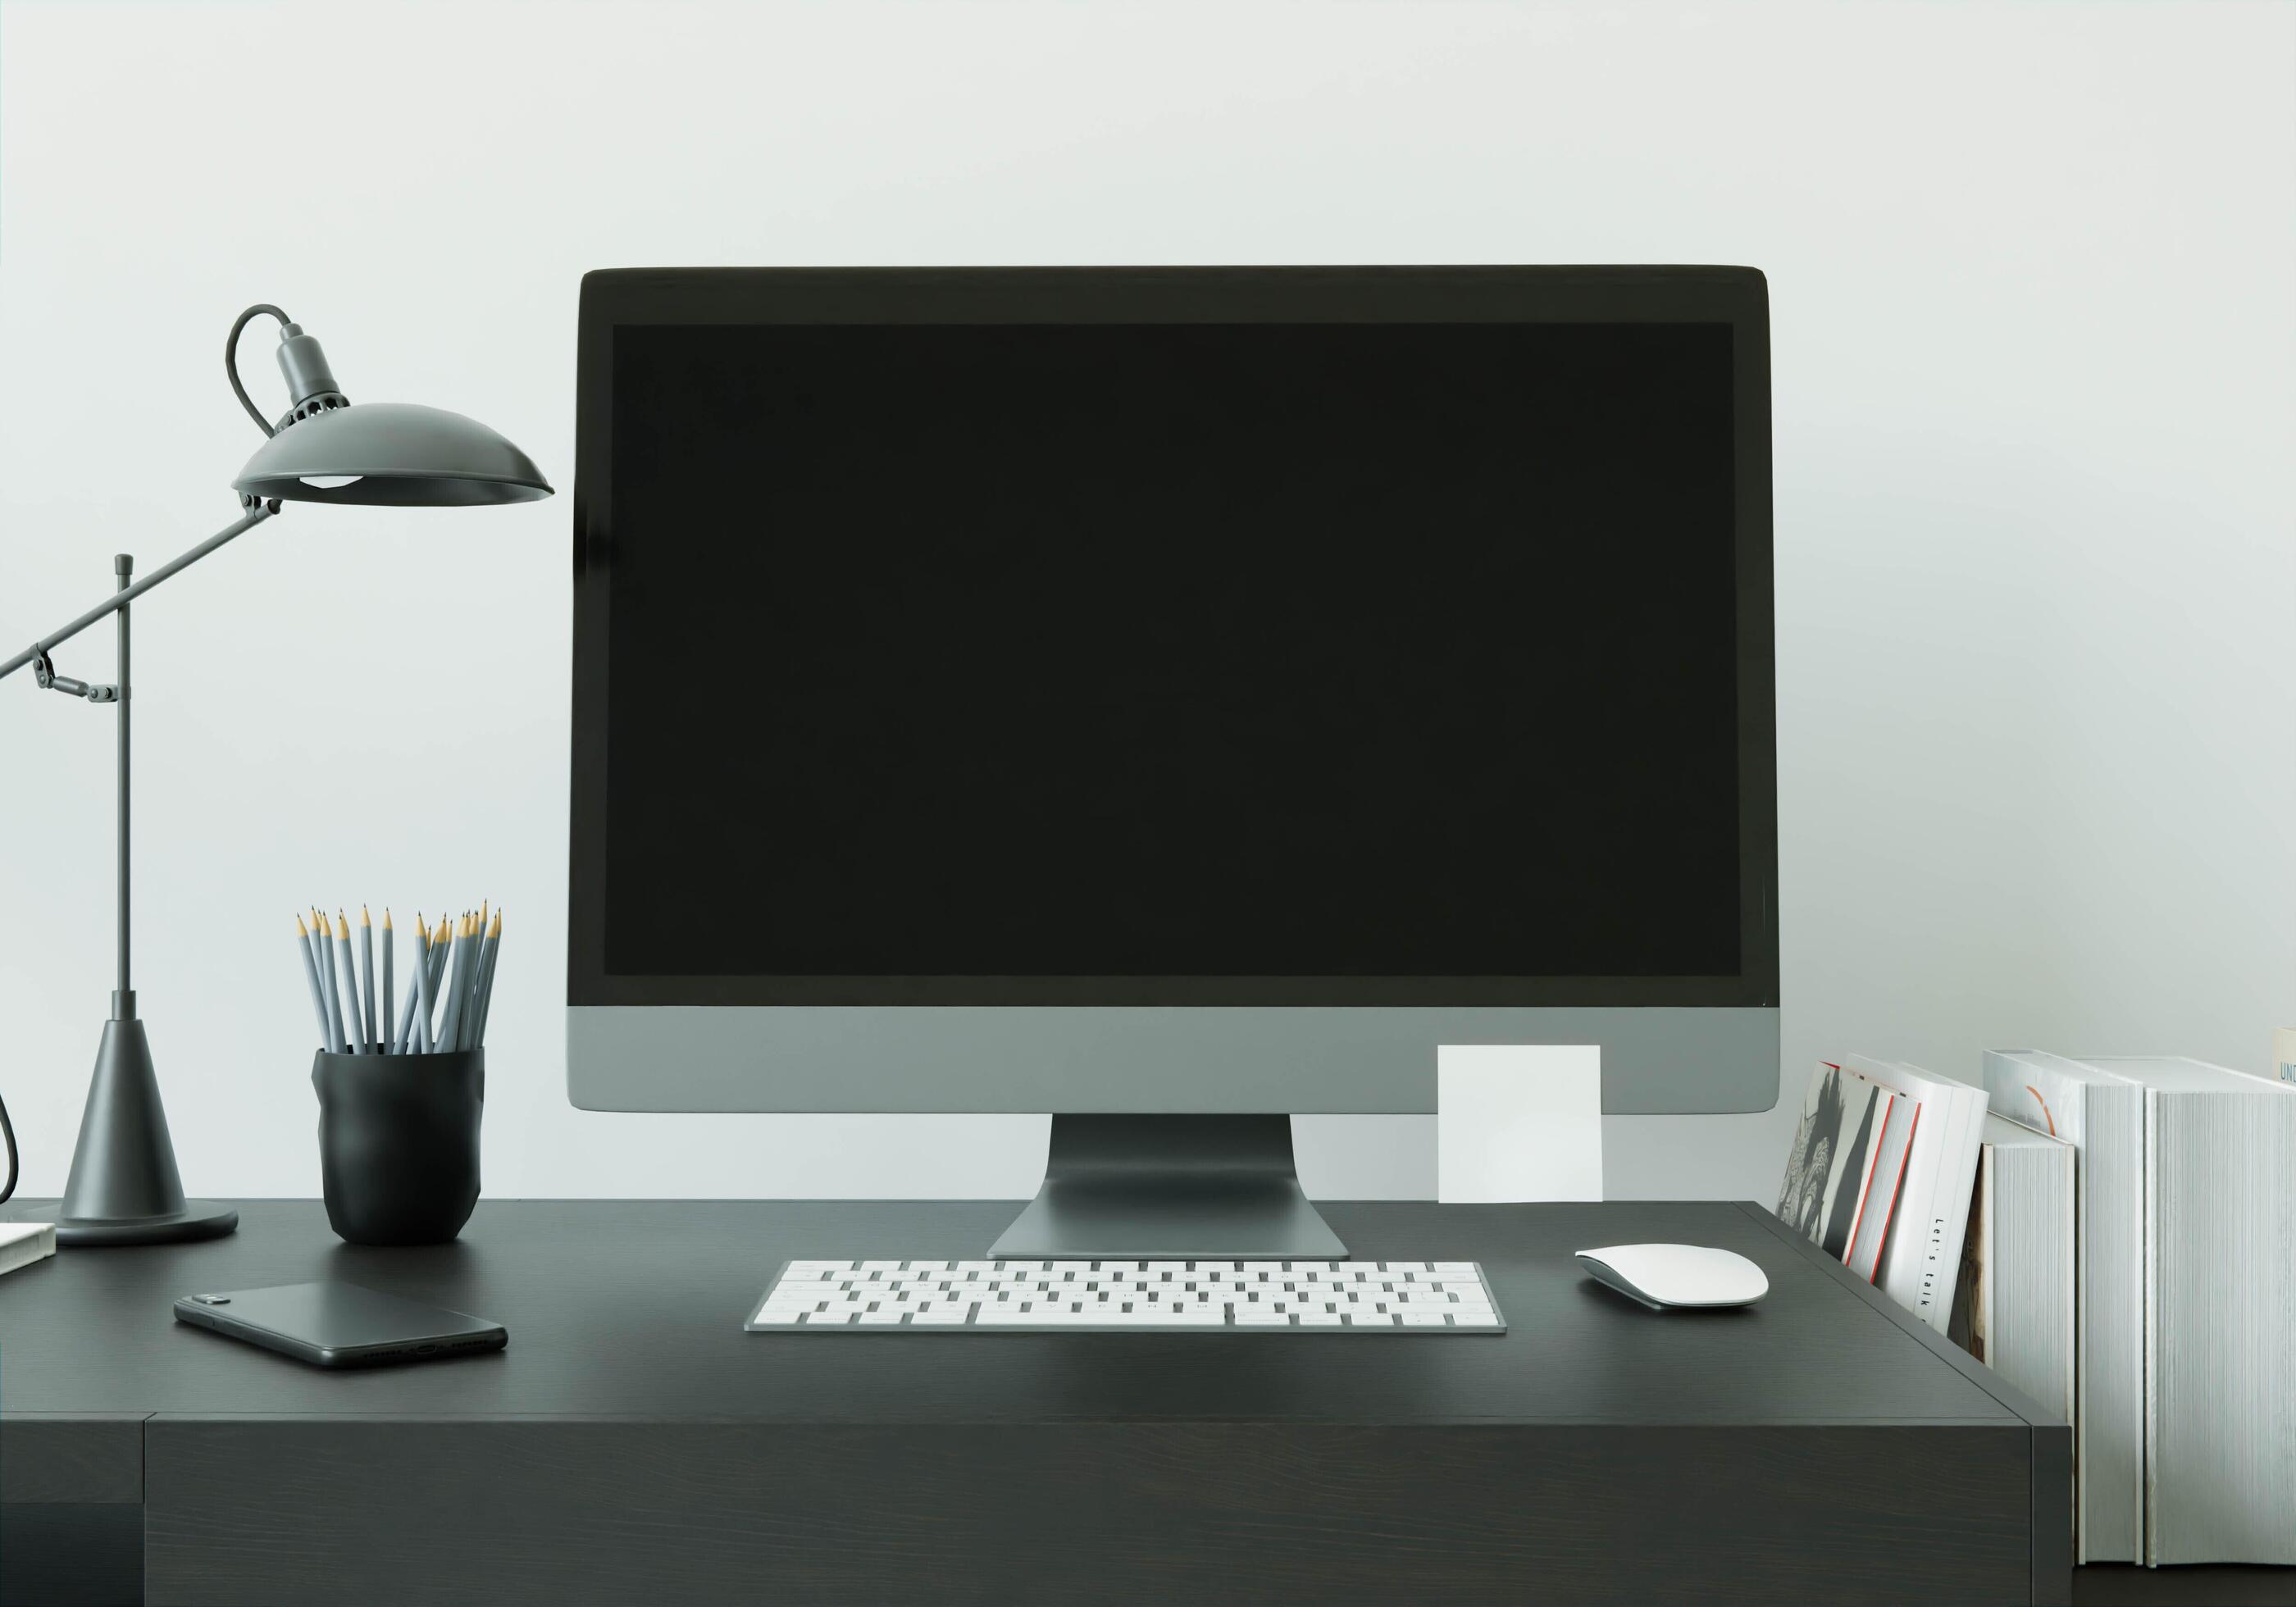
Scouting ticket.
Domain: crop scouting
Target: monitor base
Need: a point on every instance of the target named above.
(1170, 1188)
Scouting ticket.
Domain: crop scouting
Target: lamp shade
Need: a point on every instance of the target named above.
(391, 454)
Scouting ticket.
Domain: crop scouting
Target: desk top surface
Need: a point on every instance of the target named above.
(634, 1308)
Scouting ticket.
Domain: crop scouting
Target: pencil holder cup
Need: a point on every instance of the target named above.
(398, 1143)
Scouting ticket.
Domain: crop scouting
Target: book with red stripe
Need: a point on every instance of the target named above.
(1881, 1208)
(1920, 1253)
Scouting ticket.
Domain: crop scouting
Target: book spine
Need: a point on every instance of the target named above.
(1948, 1211)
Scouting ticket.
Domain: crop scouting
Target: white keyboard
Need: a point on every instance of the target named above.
(1131, 1297)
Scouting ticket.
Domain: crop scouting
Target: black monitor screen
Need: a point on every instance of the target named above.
(1109, 650)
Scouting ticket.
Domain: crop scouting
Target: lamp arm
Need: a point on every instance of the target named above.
(257, 513)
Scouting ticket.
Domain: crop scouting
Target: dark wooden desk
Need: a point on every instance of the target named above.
(634, 1445)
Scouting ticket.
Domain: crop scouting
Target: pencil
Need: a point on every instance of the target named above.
(313, 942)
(404, 1040)
(384, 1013)
(424, 987)
(450, 1019)
(470, 1017)
(319, 952)
(487, 981)
(366, 981)
(471, 978)
(442, 951)
(478, 973)
(336, 1040)
(311, 975)
(347, 980)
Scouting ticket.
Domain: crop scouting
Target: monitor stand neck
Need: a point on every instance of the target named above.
(1170, 1188)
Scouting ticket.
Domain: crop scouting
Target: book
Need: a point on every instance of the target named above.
(1921, 1257)
(21, 1243)
(1880, 1210)
(2014, 1308)
(1830, 1163)
(2219, 1337)
(2103, 1117)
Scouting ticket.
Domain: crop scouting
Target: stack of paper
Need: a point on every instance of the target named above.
(2184, 1425)
(24, 1243)
(2014, 1310)
(2103, 1117)
(2220, 1312)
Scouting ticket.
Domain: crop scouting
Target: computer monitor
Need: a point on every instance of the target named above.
(1172, 699)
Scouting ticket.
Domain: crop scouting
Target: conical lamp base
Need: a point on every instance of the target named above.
(124, 1187)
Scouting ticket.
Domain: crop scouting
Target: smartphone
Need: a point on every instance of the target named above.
(340, 1324)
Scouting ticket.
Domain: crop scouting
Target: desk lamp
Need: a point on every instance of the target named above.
(124, 1187)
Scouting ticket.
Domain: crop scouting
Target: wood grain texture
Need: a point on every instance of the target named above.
(2053, 1496)
(572, 1513)
(77, 1457)
(633, 1443)
(64, 1553)
(636, 1307)
(2052, 1493)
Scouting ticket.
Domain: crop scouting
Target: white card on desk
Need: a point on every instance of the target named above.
(1518, 1121)
(21, 1243)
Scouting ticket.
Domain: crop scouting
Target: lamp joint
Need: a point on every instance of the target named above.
(44, 672)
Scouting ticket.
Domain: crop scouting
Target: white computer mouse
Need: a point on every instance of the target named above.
(1661, 1275)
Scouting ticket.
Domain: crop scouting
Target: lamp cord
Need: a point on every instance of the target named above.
(8, 1133)
(231, 370)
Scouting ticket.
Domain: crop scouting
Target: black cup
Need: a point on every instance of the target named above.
(398, 1143)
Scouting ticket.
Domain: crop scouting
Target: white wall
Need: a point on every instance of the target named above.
(2031, 270)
